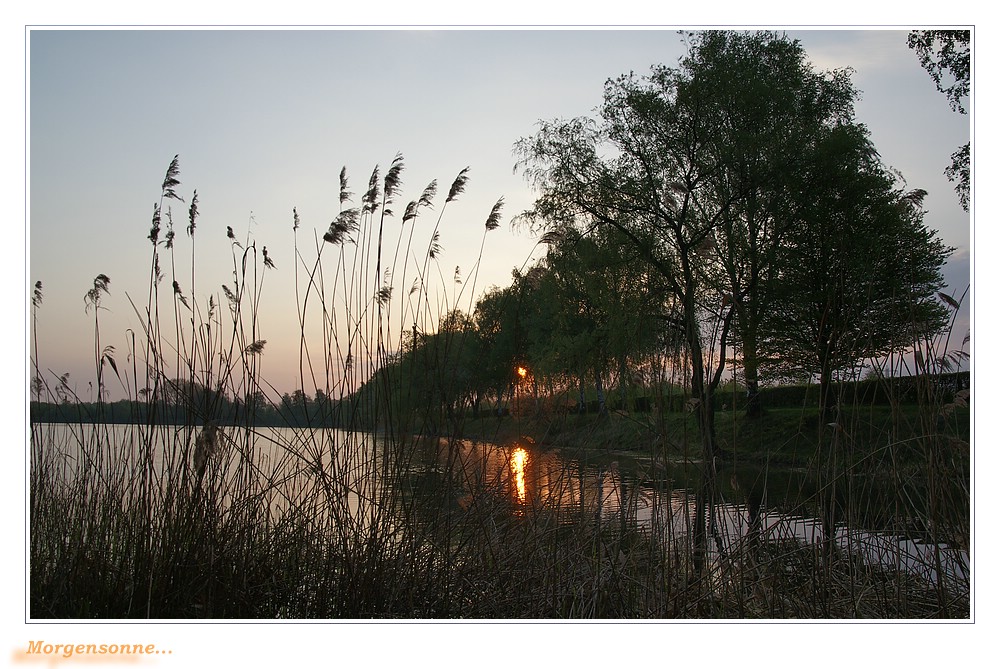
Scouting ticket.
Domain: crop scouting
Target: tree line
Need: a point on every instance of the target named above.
(727, 214)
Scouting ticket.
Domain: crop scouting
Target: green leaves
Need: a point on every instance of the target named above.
(860, 271)
(945, 51)
(942, 51)
(739, 177)
(959, 174)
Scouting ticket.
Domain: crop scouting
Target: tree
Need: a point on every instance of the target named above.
(646, 170)
(652, 190)
(594, 308)
(578, 318)
(500, 337)
(947, 52)
(859, 274)
(771, 107)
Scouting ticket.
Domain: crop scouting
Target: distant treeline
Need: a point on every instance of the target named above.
(349, 413)
(332, 414)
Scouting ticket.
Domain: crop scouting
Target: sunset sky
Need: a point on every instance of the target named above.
(263, 121)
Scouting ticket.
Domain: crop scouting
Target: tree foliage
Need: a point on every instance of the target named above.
(859, 273)
(771, 108)
(947, 58)
(726, 177)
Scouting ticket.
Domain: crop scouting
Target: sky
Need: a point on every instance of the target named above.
(264, 120)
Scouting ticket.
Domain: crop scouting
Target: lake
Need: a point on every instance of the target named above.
(358, 478)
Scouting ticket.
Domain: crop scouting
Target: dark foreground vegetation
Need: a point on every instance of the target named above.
(428, 542)
(693, 287)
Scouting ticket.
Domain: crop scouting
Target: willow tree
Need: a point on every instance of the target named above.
(500, 339)
(640, 171)
(592, 310)
(645, 169)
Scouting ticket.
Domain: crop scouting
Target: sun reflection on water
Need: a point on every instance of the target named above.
(518, 459)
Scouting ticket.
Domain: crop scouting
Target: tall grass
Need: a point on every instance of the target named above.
(372, 509)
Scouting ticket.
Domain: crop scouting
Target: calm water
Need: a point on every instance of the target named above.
(308, 469)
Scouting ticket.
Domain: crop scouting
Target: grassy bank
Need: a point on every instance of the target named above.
(780, 436)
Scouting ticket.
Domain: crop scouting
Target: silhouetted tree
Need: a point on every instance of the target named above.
(944, 52)
(859, 274)
(771, 107)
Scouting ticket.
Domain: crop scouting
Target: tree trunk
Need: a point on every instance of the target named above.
(701, 392)
(705, 411)
(751, 376)
(601, 406)
(754, 409)
(623, 383)
(827, 397)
